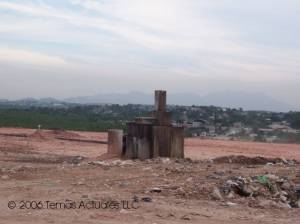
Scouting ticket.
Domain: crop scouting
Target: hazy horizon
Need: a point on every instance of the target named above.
(225, 99)
(73, 48)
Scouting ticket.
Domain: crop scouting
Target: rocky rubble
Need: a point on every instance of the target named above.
(259, 160)
(260, 191)
(261, 186)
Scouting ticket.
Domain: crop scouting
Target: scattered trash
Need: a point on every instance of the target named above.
(263, 191)
(112, 163)
(190, 179)
(286, 186)
(77, 159)
(231, 195)
(238, 186)
(297, 190)
(265, 181)
(124, 184)
(252, 160)
(230, 204)
(80, 183)
(101, 163)
(185, 217)
(283, 198)
(155, 190)
(219, 173)
(216, 194)
(281, 204)
(272, 177)
(146, 199)
(165, 160)
(135, 198)
(147, 168)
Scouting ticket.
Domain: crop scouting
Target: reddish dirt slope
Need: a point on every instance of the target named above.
(204, 148)
(194, 148)
(43, 168)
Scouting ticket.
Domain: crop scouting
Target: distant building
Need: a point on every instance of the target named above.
(237, 124)
(199, 123)
(211, 129)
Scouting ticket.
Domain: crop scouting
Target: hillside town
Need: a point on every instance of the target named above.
(236, 124)
(198, 121)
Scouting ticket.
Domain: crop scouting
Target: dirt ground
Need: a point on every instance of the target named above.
(46, 178)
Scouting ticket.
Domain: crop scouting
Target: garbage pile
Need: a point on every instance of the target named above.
(261, 191)
(258, 160)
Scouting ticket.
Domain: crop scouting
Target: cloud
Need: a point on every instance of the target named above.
(141, 22)
(18, 56)
(164, 28)
(193, 40)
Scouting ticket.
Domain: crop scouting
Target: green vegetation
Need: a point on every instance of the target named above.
(288, 137)
(75, 118)
(294, 119)
(102, 117)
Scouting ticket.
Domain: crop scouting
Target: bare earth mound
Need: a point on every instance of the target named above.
(53, 180)
(43, 134)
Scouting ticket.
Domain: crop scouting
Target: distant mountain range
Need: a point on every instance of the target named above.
(233, 99)
(247, 101)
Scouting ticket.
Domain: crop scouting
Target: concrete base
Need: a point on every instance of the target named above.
(115, 142)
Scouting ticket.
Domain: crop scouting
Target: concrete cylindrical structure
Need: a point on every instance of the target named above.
(160, 100)
(139, 141)
(115, 141)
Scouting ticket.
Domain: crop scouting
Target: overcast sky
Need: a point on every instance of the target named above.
(65, 48)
